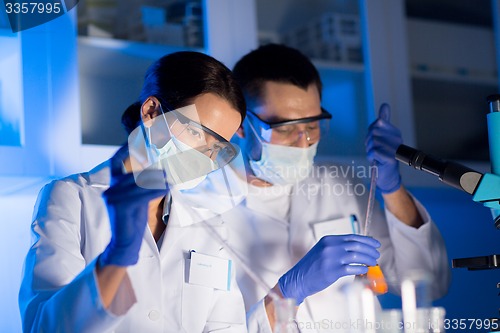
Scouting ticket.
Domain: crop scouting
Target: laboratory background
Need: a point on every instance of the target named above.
(64, 85)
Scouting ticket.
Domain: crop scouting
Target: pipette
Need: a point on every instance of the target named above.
(371, 197)
(375, 277)
(234, 255)
(257, 279)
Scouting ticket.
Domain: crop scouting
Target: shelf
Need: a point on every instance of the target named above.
(451, 52)
(326, 31)
(331, 65)
(111, 77)
(117, 56)
(481, 79)
(142, 49)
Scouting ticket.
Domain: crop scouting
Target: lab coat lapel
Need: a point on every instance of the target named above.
(196, 300)
(151, 250)
(173, 234)
(303, 210)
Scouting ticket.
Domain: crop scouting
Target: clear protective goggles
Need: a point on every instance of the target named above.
(192, 133)
(177, 143)
(289, 132)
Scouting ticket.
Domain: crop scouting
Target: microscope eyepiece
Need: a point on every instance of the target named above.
(453, 174)
(494, 102)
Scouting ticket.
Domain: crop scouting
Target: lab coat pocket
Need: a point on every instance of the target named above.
(228, 312)
(196, 303)
(209, 271)
(340, 226)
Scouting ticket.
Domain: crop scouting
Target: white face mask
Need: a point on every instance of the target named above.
(185, 167)
(282, 165)
(153, 146)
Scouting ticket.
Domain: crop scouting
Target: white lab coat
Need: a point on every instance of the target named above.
(275, 231)
(71, 228)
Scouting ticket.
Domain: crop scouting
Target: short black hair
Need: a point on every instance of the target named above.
(277, 63)
(176, 79)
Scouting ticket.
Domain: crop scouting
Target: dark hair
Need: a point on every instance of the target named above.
(176, 79)
(278, 63)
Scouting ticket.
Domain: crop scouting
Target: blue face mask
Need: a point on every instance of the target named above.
(282, 165)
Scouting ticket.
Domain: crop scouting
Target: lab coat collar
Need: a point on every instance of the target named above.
(167, 205)
(100, 176)
(187, 215)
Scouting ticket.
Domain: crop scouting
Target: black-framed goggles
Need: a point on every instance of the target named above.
(205, 140)
(287, 132)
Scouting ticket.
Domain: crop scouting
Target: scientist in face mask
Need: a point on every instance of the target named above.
(286, 133)
(119, 248)
(300, 232)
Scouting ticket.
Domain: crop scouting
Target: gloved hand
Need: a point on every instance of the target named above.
(127, 206)
(332, 257)
(381, 143)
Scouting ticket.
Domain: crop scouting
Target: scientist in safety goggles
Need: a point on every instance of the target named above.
(298, 226)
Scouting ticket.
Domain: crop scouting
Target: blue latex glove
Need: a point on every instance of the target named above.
(381, 143)
(127, 206)
(331, 258)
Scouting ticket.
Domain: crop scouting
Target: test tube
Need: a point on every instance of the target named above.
(362, 307)
(374, 276)
(436, 319)
(285, 316)
(375, 280)
(416, 302)
(390, 321)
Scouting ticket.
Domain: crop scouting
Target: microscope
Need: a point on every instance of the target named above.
(484, 188)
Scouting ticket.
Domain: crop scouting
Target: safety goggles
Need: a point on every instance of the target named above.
(288, 132)
(178, 143)
(202, 138)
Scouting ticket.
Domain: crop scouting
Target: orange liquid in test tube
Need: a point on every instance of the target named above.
(376, 280)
